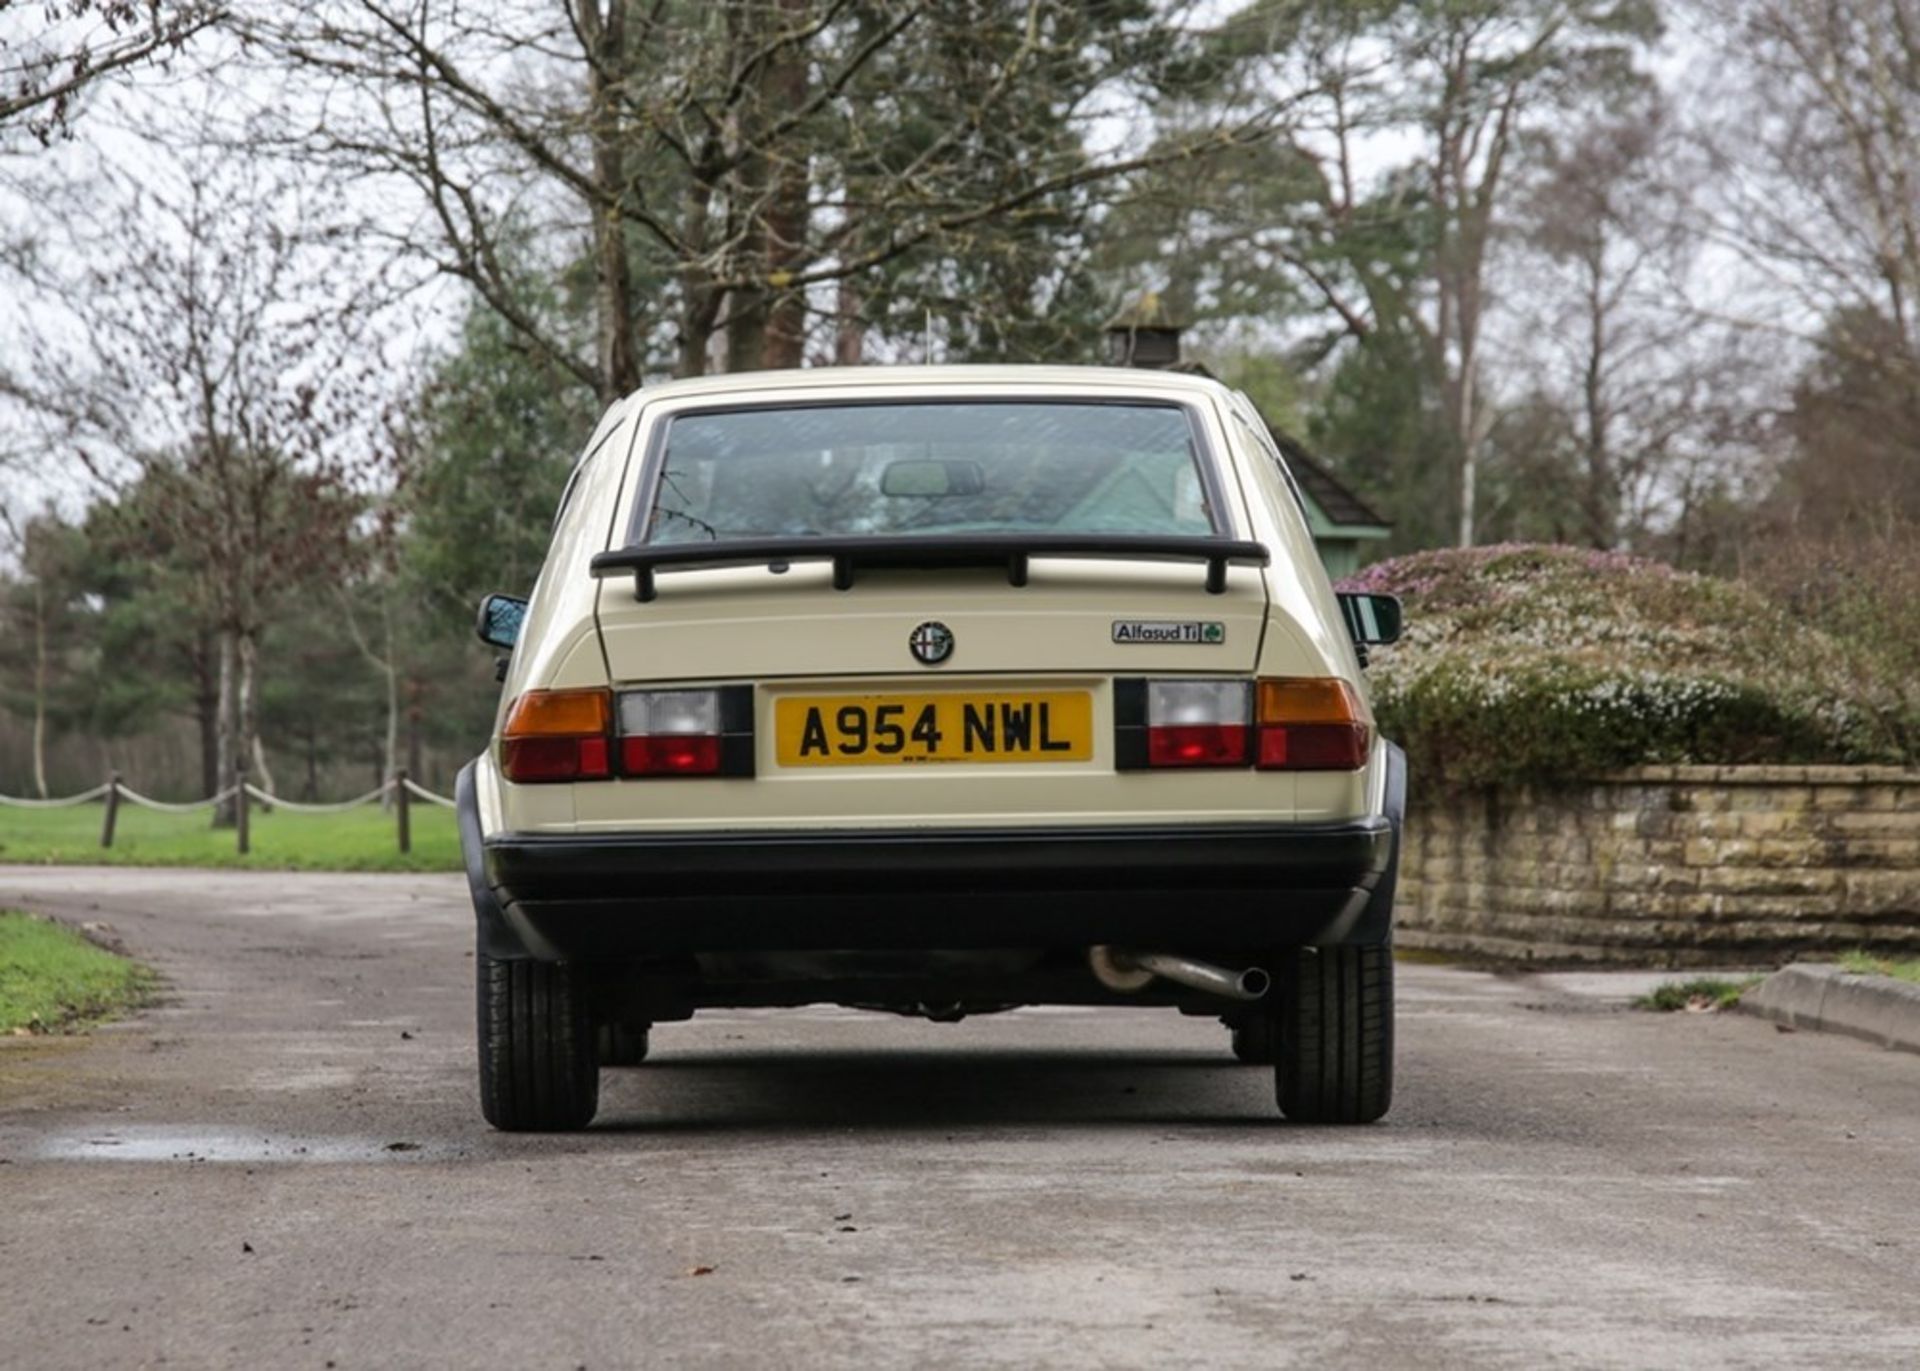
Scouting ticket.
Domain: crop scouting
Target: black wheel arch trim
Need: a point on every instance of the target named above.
(1375, 924)
(496, 937)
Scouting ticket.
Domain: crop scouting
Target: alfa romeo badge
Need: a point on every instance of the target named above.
(932, 642)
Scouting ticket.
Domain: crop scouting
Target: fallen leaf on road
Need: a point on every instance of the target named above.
(246, 1247)
(699, 1270)
(1783, 1028)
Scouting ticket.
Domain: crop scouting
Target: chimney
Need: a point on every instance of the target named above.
(1144, 335)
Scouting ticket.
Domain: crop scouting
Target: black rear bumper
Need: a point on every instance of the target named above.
(1190, 887)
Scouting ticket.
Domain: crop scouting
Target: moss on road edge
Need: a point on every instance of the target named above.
(53, 980)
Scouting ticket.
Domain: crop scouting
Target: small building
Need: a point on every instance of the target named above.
(1346, 529)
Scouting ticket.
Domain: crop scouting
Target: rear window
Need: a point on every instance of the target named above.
(891, 470)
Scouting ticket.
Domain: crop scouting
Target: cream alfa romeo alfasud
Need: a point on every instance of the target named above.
(941, 691)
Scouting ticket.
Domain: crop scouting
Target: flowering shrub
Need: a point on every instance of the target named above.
(1524, 662)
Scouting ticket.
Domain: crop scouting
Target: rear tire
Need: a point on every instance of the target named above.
(538, 1068)
(623, 1044)
(1334, 1062)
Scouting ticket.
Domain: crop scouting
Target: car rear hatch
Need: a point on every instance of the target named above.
(932, 614)
(1018, 719)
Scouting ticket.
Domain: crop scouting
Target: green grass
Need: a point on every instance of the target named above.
(52, 979)
(1862, 964)
(357, 840)
(1699, 994)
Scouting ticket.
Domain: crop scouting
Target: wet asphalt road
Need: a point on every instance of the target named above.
(284, 1165)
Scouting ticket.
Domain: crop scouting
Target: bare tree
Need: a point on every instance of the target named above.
(1603, 246)
(23, 543)
(1818, 142)
(1816, 135)
(46, 67)
(213, 373)
(1410, 252)
(718, 167)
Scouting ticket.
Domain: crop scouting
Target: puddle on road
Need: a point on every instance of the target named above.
(208, 1146)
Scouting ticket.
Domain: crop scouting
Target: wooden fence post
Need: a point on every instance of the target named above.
(240, 809)
(401, 813)
(113, 809)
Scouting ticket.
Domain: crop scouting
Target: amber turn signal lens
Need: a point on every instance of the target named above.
(558, 714)
(557, 735)
(1308, 700)
(1310, 723)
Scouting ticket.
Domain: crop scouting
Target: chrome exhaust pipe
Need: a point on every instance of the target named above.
(1131, 972)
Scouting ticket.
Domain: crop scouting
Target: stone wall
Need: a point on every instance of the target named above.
(1668, 866)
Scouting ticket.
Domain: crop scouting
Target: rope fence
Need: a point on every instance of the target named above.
(127, 792)
(244, 794)
(67, 802)
(420, 792)
(273, 801)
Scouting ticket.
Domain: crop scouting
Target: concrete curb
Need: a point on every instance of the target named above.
(1819, 995)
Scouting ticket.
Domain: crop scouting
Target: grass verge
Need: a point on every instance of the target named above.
(356, 840)
(1863, 964)
(1701, 995)
(53, 980)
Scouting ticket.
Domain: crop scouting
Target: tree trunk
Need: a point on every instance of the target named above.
(414, 767)
(246, 743)
(606, 39)
(390, 751)
(262, 770)
(1603, 493)
(1464, 435)
(227, 731)
(849, 330)
(700, 304)
(206, 712)
(40, 689)
(766, 325)
(786, 221)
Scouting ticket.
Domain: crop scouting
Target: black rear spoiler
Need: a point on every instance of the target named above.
(1010, 550)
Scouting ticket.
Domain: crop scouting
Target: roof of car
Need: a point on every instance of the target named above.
(1067, 379)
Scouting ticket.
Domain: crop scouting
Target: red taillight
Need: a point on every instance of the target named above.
(1198, 745)
(1197, 723)
(670, 733)
(1311, 724)
(1295, 723)
(669, 756)
(1313, 747)
(557, 735)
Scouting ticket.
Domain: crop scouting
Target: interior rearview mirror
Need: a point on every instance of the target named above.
(1371, 619)
(932, 479)
(499, 621)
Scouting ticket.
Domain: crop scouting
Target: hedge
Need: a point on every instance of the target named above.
(1538, 663)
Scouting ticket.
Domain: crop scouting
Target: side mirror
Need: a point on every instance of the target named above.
(500, 619)
(1371, 619)
(932, 479)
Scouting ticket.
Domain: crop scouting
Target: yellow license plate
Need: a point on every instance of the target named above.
(881, 730)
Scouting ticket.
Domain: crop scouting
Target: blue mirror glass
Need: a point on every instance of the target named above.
(500, 619)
